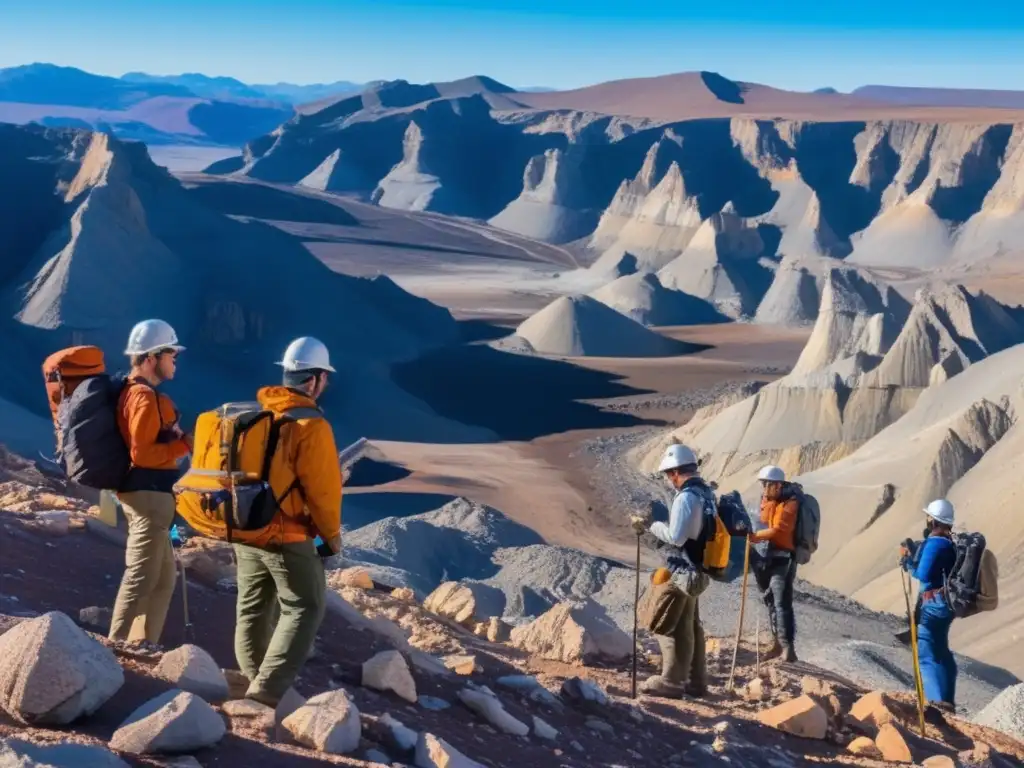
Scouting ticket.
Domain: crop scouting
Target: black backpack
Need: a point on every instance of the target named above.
(973, 585)
(92, 451)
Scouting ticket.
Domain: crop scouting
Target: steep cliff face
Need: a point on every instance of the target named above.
(124, 241)
(721, 200)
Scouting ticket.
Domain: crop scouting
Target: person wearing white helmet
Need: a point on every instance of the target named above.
(774, 563)
(149, 424)
(931, 563)
(281, 574)
(684, 669)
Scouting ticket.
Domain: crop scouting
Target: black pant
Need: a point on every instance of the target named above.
(775, 577)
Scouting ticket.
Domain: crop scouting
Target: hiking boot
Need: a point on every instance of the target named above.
(774, 651)
(695, 691)
(657, 685)
(788, 654)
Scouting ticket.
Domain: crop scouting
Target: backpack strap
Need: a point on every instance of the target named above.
(290, 415)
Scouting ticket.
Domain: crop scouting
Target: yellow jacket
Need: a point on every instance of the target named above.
(306, 453)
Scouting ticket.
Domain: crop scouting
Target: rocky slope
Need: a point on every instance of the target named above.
(864, 366)
(713, 205)
(100, 238)
(393, 680)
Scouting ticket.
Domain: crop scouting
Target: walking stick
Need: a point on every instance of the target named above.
(189, 632)
(743, 605)
(636, 599)
(757, 647)
(913, 649)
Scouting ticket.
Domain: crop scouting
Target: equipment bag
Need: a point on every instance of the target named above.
(973, 586)
(715, 542)
(227, 492)
(808, 524)
(83, 401)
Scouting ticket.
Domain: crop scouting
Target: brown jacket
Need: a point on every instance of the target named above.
(779, 517)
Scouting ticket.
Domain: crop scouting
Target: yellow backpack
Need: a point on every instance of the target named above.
(717, 547)
(227, 493)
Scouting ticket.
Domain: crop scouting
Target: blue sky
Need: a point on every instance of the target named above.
(795, 44)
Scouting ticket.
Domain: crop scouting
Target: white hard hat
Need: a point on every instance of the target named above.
(676, 455)
(151, 336)
(306, 353)
(940, 510)
(771, 474)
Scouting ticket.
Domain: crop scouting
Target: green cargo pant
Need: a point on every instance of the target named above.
(289, 577)
(683, 653)
(147, 586)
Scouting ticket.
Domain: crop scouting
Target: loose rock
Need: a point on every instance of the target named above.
(873, 710)
(454, 601)
(490, 709)
(434, 752)
(575, 633)
(939, 761)
(864, 746)
(404, 594)
(388, 671)
(544, 731)
(356, 576)
(192, 669)
(175, 721)
(15, 753)
(399, 736)
(328, 722)
(95, 617)
(461, 665)
(801, 717)
(892, 745)
(52, 672)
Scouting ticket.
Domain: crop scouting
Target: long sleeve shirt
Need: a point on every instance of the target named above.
(684, 521)
(935, 561)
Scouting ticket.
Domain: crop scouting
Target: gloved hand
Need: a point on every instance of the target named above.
(639, 524)
(335, 544)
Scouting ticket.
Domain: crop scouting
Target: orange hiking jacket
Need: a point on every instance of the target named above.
(780, 518)
(140, 422)
(306, 451)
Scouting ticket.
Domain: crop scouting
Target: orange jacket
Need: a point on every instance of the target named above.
(141, 413)
(306, 452)
(780, 518)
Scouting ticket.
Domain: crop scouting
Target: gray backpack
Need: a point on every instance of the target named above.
(808, 524)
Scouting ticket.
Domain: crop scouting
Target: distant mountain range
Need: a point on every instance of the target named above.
(194, 108)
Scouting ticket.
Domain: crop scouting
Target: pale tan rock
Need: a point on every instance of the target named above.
(574, 633)
(176, 721)
(939, 761)
(498, 631)
(404, 594)
(357, 577)
(755, 690)
(192, 669)
(388, 671)
(434, 752)
(454, 601)
(52, 672)
(328, 722)
(892, 745)
(801, 717)
(238, 683)
(873, 710)
(864, 747)
(247, 708)
(461, 665)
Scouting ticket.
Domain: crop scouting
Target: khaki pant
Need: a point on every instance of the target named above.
(683, 653)
(280, 606)
(147, 586)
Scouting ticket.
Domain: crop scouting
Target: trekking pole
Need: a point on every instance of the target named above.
(913, 649)
(636, 600)
(757, 647)
(743, 605)
(189, 632)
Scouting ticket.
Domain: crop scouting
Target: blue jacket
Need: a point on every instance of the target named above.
(935, 560)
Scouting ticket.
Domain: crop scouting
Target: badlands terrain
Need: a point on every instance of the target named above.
(530, 294)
